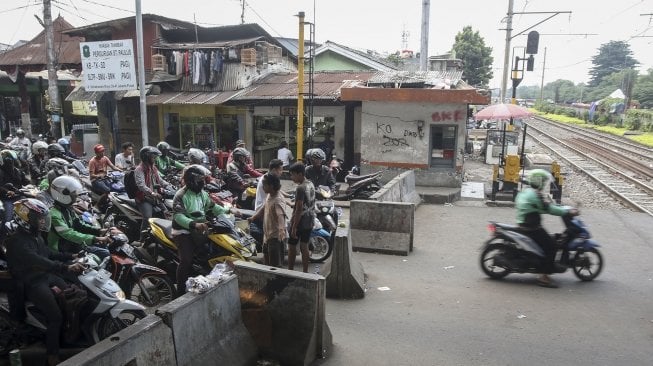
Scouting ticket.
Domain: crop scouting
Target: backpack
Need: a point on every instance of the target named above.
(130, 184)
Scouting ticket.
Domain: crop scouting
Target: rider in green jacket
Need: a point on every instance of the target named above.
(190, 206)
(530, 204)
(165, 162)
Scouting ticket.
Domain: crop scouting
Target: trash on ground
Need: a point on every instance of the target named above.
(449, 267)
(521, 316)
(201, 284)
(383, 288)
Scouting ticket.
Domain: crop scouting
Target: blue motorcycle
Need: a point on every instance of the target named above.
(510, 250)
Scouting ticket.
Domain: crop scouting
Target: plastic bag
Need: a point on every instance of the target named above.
(201, 284)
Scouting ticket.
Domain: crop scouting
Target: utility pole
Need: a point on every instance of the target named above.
(506, 53)
(424, 44)
(542, 82)
(300, 88)
(53, 88)
(141, 72)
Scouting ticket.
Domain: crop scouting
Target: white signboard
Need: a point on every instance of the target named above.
(108, 65)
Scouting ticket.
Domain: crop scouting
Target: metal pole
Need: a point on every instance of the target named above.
(542, 82)
(300, 89)
(424, 46)
(506, 55)
(53, 88)
(141, 72)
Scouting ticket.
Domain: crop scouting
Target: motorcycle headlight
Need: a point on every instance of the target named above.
(120, 295)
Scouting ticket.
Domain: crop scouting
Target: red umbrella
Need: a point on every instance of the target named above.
(502, 111)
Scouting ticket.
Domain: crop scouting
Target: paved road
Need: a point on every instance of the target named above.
(441, 309)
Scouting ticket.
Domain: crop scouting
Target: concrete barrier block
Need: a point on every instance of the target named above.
(285, 313)
(208, 329)
(385, 227)
(345, 278)
(146, 343)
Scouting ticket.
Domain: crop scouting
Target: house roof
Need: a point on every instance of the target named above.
(104, 29)
(212, 98)
(419, 79)
(31, 56)
(327, 86)
(361, 57)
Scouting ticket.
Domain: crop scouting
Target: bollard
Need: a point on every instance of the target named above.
(14, 358)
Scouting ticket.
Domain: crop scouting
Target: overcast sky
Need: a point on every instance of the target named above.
(379, 24)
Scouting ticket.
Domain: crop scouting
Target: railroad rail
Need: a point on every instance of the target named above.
(609, 173)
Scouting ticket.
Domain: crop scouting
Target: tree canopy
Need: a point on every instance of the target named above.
(477, 58)
(613, 56)
(643, 90)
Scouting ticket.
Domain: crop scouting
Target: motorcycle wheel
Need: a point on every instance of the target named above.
(153, 290)
(319, 249)
(587, 264)
(107, 326)
(487, 261)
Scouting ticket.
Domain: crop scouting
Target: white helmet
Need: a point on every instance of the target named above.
(38, 145)
(65, 189)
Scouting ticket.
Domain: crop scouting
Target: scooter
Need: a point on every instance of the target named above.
(322, 237)
(105, 312)
(510, 250)
(123, 213)
(224, 242)
(360, 187)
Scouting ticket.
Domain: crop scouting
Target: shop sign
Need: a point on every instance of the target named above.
(288, 111)
(108, 65)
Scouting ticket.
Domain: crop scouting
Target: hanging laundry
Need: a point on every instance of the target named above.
(179, 61)
(217, 67)
(197, 66)
(211, 72)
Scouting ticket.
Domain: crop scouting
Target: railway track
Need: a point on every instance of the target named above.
(625, 177)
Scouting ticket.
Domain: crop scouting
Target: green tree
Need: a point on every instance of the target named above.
(643, 90)
(624, 80)
(562, 91)
(477, 58)
(613, 56)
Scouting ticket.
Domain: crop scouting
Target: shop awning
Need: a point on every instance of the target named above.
(79, 94)
(210, 98)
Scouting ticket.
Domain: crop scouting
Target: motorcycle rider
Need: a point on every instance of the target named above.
(238, 171)
(317, 173)
(97, 169)
(21, 139)
(530, 204)
(69, 233)
(65, 143)
(125, 160)
(165, 161)
(190, 205)
(39, 150)
(148, 181)
(11, 179)
(35, 267)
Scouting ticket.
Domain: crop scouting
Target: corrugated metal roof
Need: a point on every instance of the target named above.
(33, 53)
(365, 58)
(433, 78)
(284, 86)
(162, 44)
(211, 98)
(79, 94)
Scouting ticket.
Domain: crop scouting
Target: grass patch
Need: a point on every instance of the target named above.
(560, 118)
(644, 139)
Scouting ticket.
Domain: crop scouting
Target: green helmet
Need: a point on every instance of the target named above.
(539, 178)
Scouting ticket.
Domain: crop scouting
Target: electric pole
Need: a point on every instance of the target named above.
(506, 53)
(424, 44)
(53, 88)
(542, 82)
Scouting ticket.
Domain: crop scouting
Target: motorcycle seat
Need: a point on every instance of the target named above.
(350, 178)
(124, 198)
(510, 227)
(165, 225)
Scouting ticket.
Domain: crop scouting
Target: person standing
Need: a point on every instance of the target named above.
(125, 160)
(285, 155)
(301, 222)
(274, 221)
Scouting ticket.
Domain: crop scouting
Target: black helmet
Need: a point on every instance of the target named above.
(55, 150)
(163, 146)
(240, 152)
(32, 215)
(195, 177)
(148, 152)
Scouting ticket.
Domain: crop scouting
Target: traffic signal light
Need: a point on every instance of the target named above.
(533, 42)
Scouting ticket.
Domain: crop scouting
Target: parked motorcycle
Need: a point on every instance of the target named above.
(145, 284)
(122, 212)
(322, 237)
(360, 187)
(105, 312)
(225, 242)
(509, 250)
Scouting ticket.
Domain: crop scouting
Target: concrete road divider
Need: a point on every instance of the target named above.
(207, 329)
(384, 227)
(345, 278)
(148, 342)
(285, 313)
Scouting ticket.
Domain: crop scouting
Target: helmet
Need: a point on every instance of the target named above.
(240, 143)
(9, 157)
(317, 154)
(147, 152)
(32, 215)
(195, 177)
(65, 189)
(163, 146)
(63, 141)
(59, 165)
(240, 152)
(39, 145)
(99, 148)
(20, 133)
(539, 178)
(197, 156)
(55, 150)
